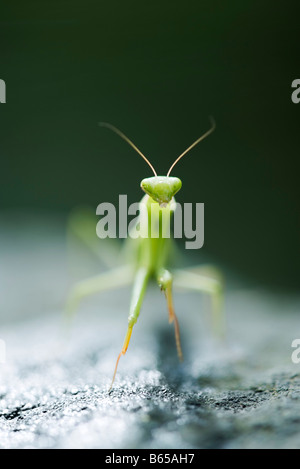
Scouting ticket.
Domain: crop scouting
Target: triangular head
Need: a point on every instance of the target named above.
(161, 188)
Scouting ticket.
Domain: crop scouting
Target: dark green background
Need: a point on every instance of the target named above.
(157, 70)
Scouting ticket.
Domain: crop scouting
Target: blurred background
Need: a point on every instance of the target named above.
(156, 70)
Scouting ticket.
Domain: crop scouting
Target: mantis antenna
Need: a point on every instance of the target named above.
(123, 136)
(213, 126)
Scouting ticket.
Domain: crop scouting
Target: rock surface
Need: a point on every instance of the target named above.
(244, 393)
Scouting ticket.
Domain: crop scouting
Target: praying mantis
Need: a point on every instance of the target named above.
(151, 255)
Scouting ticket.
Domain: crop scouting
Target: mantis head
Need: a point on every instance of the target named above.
(161, 188)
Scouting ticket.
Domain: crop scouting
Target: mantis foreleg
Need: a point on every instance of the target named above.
(139, 288)
(164, 280)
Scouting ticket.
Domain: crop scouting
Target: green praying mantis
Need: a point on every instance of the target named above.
(151, 255)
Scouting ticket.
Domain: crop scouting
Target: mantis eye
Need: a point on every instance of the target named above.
(161, 188)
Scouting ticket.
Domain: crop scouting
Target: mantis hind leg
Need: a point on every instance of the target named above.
(139, 288)
(81, 227)
(205, 283)
(107, 280)
(164, 280)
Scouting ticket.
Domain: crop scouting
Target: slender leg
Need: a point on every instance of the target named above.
(193, 281)
(139, 288)
(164, 279)
(107, 280)
(207, 270)
(82, 226)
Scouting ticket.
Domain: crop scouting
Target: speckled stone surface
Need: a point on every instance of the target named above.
(244, 393)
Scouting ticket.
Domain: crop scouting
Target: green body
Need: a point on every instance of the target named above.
(151, 250)
(149, 255)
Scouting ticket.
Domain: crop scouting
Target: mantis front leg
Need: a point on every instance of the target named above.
(139, 288)
(164, 280)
